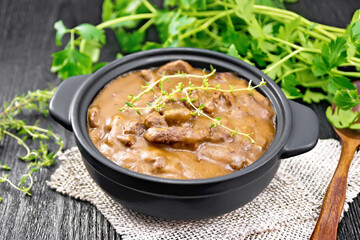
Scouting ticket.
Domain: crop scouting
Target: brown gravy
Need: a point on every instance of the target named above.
(170, 143)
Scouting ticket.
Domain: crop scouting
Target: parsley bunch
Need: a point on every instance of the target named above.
(310, 61)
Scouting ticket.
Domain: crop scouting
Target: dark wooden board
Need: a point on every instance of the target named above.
(26, 44)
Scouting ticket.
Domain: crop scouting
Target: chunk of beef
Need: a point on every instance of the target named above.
(154, 119)
(176, 115)
(219, 134)
(228, 98)
(155, 158)
(216, 97)
(127, 140)
(225, 77)
(221, 154)
(175, 67)
(209, 106)
(238, 163)
(93, 116)
(133, 127)
(196, 96)
(147, 75)
(254, 107)
(219, 96)
(176, 135)
(159, 163)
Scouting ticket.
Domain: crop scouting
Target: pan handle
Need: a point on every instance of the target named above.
(304, 133)
(60, 103)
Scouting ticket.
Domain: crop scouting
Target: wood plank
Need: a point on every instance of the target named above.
(27, 41)
(26, 44)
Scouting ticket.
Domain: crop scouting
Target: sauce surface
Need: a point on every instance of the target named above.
(170, 142)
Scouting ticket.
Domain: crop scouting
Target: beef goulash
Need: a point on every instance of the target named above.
(173, 140)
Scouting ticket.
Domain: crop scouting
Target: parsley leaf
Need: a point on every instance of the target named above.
(346, 99)
(91, 48)
(162, 22)
(339, 82)
(90, 32)
(311, 96)
(288, 31)
(151, 45)
(341, 118)
(61, 30)
(233, 51)
(288, 85)
(332, 56)
(70, 62)
(130, 42)
(319, 66)
(107, 10)
(238, 39)
(178, 23)
(4, 167)
(116, 9)
(354, 31)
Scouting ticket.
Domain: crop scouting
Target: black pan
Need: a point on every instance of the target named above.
(297, 132)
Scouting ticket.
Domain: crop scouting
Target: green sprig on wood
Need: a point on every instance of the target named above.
(13, 127)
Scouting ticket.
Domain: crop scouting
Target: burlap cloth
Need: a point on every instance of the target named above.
(287, 209)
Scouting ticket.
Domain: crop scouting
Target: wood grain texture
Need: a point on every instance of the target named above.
(27, 40)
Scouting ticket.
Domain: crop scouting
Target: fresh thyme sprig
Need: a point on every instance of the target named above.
(20, 131)
(159, 82)
(216, 121)
(165, 96)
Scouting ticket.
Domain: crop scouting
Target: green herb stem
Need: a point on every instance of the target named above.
(270, 11)
(354, 59)
(52, 134)
(144, 27)
(82, 45)
(149, 6)
(315, 34)
(19, 102)
(20, 141)
(72, 37)
(313, 50)
(151, 86)
(229, 18)
(124, 19)
(281, 16)
(291, 72)
(202, 13)
(349, 74)
(11, 109)
(271, 67)
(206, 24)
(213, 35)
(350, 64)
(333, 29)
(5, 179)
